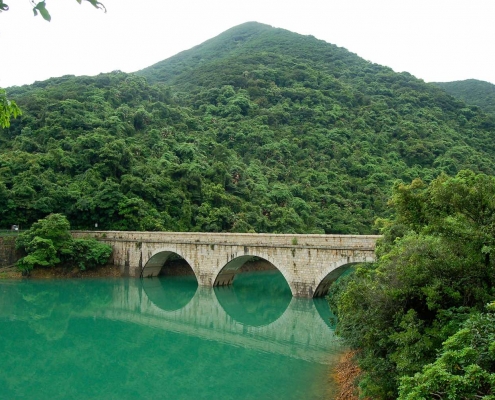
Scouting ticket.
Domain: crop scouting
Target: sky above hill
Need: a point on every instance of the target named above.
(440, 40)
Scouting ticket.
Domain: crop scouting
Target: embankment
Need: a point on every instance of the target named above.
(8, 253)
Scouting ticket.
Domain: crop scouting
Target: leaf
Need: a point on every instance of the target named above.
(41, 7)
(8, 109)
(95, 4)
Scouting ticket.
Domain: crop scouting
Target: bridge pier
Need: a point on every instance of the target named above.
(309, 263)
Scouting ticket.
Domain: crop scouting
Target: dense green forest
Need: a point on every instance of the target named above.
(472, 91)
(258, 129)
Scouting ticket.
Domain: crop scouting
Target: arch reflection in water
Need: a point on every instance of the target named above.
(170, 293)
(323, 309)
(299, 332)
(255, 299)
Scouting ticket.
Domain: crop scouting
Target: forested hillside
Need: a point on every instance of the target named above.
(472, 91)
(258, 129)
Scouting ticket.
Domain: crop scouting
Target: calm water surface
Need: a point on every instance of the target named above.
(163, 339)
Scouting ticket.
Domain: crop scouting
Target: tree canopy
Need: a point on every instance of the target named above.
(434, 276)
(472, 91)
(464, 368)
(48, 243)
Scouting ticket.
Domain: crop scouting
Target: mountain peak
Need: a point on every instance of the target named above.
(254, 43)
(212, 49)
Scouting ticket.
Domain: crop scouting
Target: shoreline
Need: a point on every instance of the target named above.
(345, 374)
(108, 271)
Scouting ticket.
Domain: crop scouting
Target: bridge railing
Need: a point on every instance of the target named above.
(240, 239)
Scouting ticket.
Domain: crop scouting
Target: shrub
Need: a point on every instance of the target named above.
(48, 243)
(89, 253)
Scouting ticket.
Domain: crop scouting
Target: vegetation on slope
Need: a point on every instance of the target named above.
(259, 129)
(472, 91)
(434, 276)
(465, 366)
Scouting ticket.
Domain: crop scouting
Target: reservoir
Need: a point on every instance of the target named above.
(164, 338)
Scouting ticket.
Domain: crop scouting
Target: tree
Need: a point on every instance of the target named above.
(48, 243)
(40, 7)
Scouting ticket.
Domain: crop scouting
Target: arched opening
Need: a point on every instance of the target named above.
(242, 265)
(173, 282)
(175, 265)
(167, 263)
(327, 281)
(257, 298)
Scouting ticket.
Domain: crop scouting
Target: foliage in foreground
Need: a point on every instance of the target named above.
(465, 367)
(39, 7)
(8, 109)
(435, 270)
(49, 243)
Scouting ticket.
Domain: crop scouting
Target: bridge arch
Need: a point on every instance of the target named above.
(159, 257)
(226, 274)
(325, 279)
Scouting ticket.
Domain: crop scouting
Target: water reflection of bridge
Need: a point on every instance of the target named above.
(299, 331)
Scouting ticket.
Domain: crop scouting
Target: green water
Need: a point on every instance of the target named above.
(163, 339)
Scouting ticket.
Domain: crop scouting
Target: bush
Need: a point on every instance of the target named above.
(49, 243)
(89, 253)
(41, 252)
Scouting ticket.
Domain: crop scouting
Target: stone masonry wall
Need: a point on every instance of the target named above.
(251, 239)
(8, 253)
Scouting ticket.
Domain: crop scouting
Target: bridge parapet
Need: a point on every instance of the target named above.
(249, 239)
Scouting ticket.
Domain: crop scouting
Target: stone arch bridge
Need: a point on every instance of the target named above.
(309, 263)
